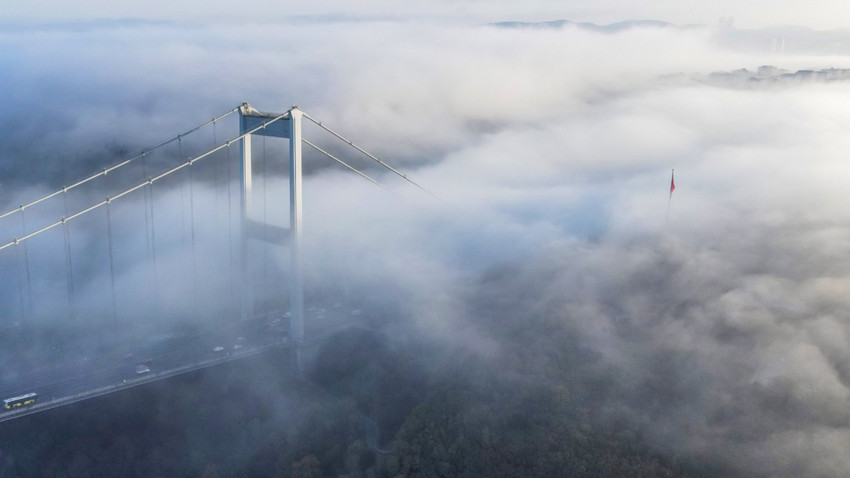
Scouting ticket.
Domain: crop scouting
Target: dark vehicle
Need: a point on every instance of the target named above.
(20, 401)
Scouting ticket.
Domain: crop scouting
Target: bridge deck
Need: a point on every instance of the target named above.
(74, 381)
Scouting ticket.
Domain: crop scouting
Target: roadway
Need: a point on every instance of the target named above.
(87, 375)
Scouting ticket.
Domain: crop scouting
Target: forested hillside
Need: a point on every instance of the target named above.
(373, 404)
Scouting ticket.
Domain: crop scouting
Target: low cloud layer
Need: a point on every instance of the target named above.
(550, 152)
(819, 14)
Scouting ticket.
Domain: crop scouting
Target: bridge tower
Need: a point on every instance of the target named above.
(286, 125)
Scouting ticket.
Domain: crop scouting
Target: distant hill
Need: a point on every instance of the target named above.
(777, 40)
(764, 76)
(787, 40)
(612, 28)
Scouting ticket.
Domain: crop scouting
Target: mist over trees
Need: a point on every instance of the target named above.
(455, 417)
(553, 313)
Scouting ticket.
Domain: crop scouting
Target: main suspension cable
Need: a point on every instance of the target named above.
(150, 181)
(308, 143)
(119, 165)
(370, 155)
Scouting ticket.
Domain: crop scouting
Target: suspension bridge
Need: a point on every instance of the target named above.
(166, 262)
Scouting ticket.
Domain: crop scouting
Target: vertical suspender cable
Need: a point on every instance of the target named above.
(215, 174)
(23, 316)
(28, 304)
(148, 192)
(215, 177)
(69, 270)
(111, 258)
(235, 298)
(153, 250)
(265, 243)
(192, 225)
(110, 248)
(216, 191)
(66, 229)
(147, 217)
(182, 192)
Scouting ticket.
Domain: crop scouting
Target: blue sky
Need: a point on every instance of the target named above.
(821, 14)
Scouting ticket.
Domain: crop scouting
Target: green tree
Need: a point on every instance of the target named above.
(307, 467)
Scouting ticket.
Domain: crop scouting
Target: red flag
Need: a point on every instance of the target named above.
(672, 182)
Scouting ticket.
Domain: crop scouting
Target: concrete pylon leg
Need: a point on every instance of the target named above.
(246, 294)
(296, 294)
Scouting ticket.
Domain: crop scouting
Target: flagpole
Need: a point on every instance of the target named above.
(672, 187)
